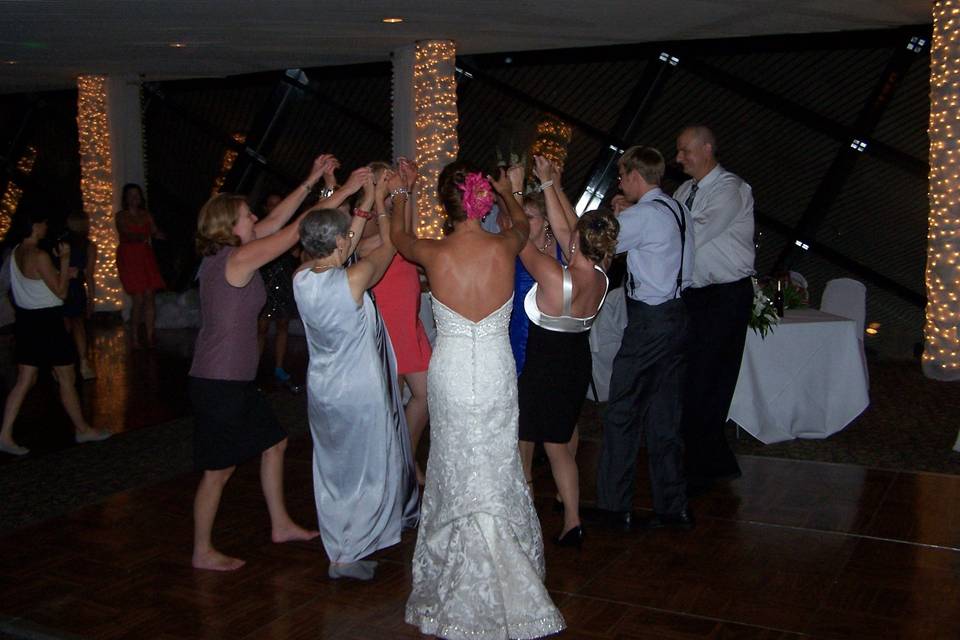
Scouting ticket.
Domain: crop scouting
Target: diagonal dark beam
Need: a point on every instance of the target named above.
(264, 132)
(155, 95)
(635, 111)
(849, 264)
(311, 88)
(843, 164)
(839, 132)
(513, 92)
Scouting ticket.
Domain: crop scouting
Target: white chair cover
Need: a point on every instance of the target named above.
(847, 298)
(605, 338)
(798, 279)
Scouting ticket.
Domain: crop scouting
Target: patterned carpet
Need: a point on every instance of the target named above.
(911, 425)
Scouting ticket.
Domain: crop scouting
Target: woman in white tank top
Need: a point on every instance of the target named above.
(41, 340)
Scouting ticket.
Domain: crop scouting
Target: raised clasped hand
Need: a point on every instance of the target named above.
(501, 184)
(322, 164)
(394, 181)
(408, 172)
(357, 179)
(515, 173)
(544, 169)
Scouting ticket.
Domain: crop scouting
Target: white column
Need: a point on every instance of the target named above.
(404, 111)
(425, 120)
(941, 357)
(126, 133)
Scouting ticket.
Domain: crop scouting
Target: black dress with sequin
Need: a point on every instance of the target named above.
(278, 279)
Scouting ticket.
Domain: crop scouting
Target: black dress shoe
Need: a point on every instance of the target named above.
(572, 538)
(682, 520)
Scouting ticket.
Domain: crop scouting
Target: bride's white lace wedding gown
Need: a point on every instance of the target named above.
(478, 565)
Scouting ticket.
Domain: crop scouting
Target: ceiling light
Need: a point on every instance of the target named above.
(8, 62)
(178, 45)
(873, 328)
(392, 20)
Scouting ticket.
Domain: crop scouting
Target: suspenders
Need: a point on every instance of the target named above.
(682, 225)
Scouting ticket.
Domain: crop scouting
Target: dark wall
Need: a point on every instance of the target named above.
(785, 110)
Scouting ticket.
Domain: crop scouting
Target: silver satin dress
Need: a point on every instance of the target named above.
(363, 474)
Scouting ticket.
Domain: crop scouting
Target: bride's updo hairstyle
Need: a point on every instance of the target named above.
(597, 232)
(450, 194)
(320, 229)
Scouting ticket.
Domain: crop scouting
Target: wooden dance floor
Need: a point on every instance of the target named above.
(792, 549)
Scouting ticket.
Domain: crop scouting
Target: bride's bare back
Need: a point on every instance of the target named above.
(471, 271)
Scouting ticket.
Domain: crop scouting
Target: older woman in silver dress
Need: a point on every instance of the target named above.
(364, 479)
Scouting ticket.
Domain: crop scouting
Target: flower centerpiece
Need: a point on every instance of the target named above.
(795, 296)
(764, 314)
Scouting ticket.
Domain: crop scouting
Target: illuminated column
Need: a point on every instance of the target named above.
(11, 197)
(425, 98)
(96, 186)
(941, 357)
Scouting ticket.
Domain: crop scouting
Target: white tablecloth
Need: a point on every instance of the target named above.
(807, 379)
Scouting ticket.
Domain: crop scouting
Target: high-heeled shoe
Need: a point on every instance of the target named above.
(572, 538)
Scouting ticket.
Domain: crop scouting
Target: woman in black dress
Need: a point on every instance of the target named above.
(561, 307)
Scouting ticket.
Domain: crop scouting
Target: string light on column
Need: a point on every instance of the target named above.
(11, 197)
(941, 357)
(96, 186)
(229, 157)
(435, 108)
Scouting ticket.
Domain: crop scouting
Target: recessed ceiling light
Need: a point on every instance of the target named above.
(178, 45)
(392, 20)
(9, 62)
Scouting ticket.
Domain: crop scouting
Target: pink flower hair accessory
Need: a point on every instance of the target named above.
(477, 196)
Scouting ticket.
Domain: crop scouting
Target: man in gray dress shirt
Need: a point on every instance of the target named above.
(719, 302)
(645, 386)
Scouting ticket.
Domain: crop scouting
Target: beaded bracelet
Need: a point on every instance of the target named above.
(362, 213)
(399, 191)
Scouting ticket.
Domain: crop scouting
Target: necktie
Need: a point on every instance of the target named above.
(688, 203)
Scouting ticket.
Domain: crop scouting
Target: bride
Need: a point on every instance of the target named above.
(478, 566)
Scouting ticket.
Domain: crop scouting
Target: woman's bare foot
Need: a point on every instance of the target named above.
(292, 532)
(213, 560)
(91, 435)
(13, 448)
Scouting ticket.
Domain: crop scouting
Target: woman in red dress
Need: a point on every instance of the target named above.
(398, 298)
(136, 262)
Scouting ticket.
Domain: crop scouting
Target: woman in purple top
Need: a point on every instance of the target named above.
(233, 419)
